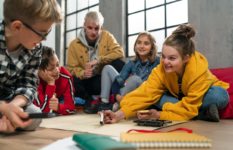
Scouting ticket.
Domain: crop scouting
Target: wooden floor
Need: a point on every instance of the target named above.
(220, 133)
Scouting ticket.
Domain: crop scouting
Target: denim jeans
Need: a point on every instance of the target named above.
(215, 95)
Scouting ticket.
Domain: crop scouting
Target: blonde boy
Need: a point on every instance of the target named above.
(26, 23)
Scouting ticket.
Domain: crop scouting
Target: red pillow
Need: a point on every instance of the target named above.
(226, 74)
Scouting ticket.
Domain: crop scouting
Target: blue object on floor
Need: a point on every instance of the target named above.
(79, 101)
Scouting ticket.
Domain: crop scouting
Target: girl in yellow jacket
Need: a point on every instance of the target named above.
(180, 88)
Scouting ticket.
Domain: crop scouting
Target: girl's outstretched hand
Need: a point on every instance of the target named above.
(148, 114)
(113, 117)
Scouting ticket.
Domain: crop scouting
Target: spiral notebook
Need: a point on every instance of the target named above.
(166, 140)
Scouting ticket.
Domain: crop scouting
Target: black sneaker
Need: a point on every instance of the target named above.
(105, 106)
(92, 108)
(212, 113)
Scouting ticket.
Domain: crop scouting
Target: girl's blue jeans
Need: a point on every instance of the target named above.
(215, 95)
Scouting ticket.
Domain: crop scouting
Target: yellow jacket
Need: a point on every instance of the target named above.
(197, 79)
(78, 56)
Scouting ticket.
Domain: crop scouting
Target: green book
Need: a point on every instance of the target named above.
(88, 141)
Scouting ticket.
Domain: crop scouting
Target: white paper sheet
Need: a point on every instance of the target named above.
(91, 123)
(63, 144)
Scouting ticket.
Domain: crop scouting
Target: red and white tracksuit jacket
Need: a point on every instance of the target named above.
(64, 91)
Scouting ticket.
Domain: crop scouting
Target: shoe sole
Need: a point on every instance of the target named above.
(213, 112)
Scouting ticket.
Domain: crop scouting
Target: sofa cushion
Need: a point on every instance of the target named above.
(226, 74)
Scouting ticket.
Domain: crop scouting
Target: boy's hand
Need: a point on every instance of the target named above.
(6, 126)
(53, 103)
(46, 76)
(15, 116)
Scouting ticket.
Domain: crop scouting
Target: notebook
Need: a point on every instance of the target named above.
(88, 141)
(166, 140)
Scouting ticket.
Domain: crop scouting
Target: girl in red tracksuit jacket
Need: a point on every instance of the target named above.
(55, 90)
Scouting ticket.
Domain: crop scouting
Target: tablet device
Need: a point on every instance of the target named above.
(151, 122)
(41, 115)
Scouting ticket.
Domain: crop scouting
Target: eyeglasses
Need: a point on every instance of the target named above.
(43, 36)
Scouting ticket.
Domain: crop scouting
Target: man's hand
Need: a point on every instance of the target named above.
(93, 63)
(89, 68)
(88, 73)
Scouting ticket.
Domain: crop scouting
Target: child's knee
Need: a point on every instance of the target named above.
(220, 96)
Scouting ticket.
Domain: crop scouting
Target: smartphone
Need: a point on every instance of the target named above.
(144, 112)
(41, 115)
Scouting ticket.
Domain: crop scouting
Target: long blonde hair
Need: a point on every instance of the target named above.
(153, 51)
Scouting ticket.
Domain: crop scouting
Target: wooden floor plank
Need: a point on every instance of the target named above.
(220, 133)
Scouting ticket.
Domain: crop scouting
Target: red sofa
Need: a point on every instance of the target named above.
(226, 74)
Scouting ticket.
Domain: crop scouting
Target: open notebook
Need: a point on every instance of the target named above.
(166, 140)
